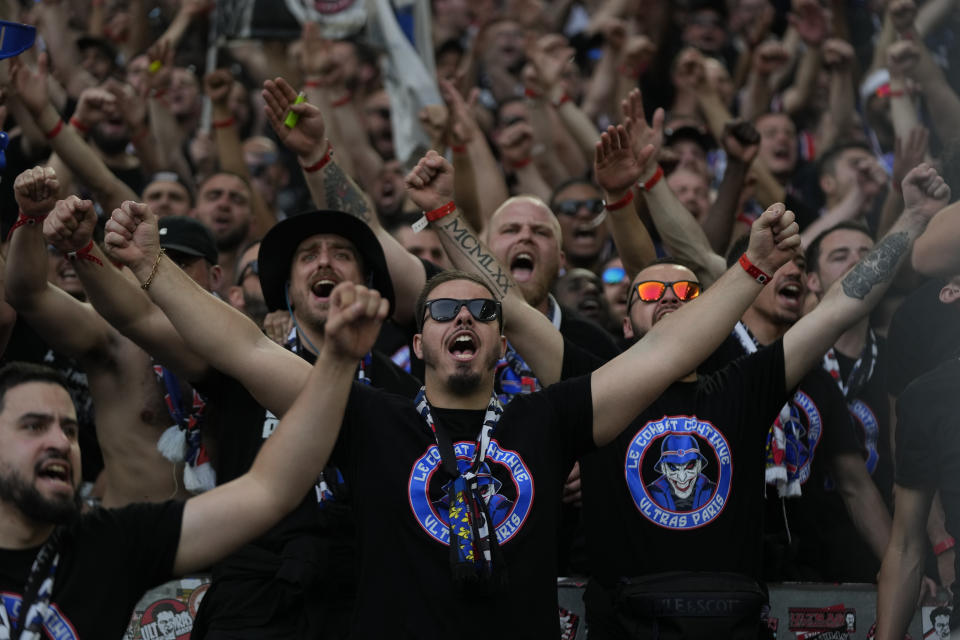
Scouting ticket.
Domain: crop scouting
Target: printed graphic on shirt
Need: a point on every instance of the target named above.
(57, 626)
(678, 471)
(167, 619)
(504, 481)
(935, 622)
(803, 427)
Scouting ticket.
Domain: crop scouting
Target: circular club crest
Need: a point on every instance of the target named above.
(678, 471)
(166, 619)
(864, 418)
(504, 481)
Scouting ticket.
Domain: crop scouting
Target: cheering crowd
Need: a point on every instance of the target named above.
(659, 295)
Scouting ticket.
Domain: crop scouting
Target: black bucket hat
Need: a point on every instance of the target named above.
(280, 243)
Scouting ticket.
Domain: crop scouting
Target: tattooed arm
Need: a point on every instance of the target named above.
(430, 185)
(331, 188)
(851, 299)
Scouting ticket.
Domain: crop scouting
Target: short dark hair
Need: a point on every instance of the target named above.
(812, 253)
(827, 162)
(449, 276)
(223, 172)
(14, 374)
(937, 612)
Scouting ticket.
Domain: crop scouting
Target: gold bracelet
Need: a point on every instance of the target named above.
(156, 265)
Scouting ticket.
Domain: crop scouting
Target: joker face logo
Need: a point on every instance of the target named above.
(682, 476)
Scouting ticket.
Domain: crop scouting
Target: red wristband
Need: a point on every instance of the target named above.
(530, 93)
(79, 126)
(85, 254)
(943, 546)
(342, 100)
(439, 212)
(753, 270)
(158, 93)
(321, 163)
(630, 72)
(226, 122)
(897, 93)
(23, 219)
(458, 148)
(55, 131)
(312, 84)
(564, 99)
(520, 164)
(621, 203)
(654, 179)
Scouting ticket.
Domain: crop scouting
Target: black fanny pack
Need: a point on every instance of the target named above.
(688, 605)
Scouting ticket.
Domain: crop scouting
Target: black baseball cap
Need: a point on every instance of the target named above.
(187, 236)
(281, 242)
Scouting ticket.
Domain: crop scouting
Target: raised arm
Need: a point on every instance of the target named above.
(114, 295)
(228, 340)
(430, 185)
(219, 521)
(851, 299)
(935, 253)
(741, 141)
(69, 326)
(331, 188)
(626, 385)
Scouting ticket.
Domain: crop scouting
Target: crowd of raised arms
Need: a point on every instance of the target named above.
(386, 326)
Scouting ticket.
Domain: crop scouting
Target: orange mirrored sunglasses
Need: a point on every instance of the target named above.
(653, 290)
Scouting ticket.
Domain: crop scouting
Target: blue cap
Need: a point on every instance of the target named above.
(15, 38)
(678, 449)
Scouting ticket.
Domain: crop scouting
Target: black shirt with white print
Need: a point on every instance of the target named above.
(108, 559)
(390, 459)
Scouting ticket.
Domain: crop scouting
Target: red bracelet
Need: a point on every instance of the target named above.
(521, 164)
(23, 219)
(226, 122)
(530, 93)
(458, 148)
(158, 93)
(897, 93)
(654, 179)
(621, 203)
(344, 99)
(85, 254)
(321, 163)
(564, 99)
(630, 72)
(312, 84)
(55, 131)
(79, 126)
(943, 546)
(439, 212)
(753, 270)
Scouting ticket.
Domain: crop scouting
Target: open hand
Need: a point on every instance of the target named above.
(642, 134)
(30, 85)
(36, 191)
(614, 163)
(70, 225)
(306, 139)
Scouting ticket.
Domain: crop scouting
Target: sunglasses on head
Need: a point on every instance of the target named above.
(570, 207)
(614, 275)
(653, 290)
(446, 309)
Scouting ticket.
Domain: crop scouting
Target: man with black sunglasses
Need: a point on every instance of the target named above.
(580, 210)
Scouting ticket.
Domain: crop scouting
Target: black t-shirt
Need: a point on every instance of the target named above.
(922, 335)
(390, 459)
(928, 441)
(26, 346)
(682, 487)
(298, 579)
(123, 551)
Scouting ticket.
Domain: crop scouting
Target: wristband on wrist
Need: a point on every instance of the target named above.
(520, 164)
(226, 122)
(630, 72)
(530, 93)
(753, 270)
(23, 219)
(433, 215)
(458, 148)
(79, 126)
(84, 254)
(342, 100)
(54, 131)
(943, 546)
(313, 84)
(153, 272)
(621, 203)
(564, 99)
(897, 93)
(654, 179)
(321, 163)
(158, 93)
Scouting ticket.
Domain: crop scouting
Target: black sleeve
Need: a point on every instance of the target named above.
(577, 361)
(919, 412)
(760, 378)
(571, 403)
(839, 436)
